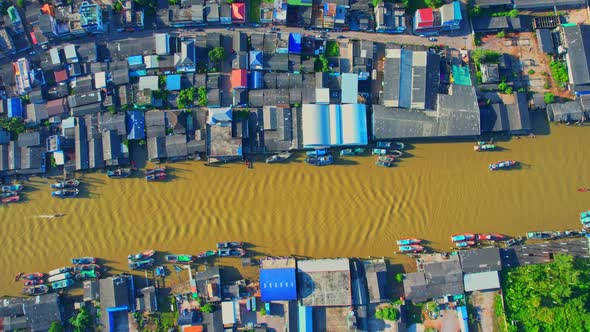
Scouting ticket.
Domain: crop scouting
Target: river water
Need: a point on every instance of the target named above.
(351, 209)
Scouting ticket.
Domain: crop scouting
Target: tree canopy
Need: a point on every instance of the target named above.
(217, 54)
(481, 55)
(549, 297)
(81, 321)
(208, 308)
(559, 72)
(186, 97)
(549, 98)
(389, 313)
(56, 326)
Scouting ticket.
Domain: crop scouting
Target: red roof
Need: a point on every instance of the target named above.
(33, 38)
(238, 78)
(61, 76)
(426, 17)
(238, 11)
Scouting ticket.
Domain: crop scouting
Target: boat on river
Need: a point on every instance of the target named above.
(320, 160)
(383, 163)
(232, 252)
(8, 194)
(65, 193)
(386, 158)
(414, 248)
(229, 245)
(160, 271)
(119, 173)
(83, 260)
(207, 253)
(151, 171)
(406, 242)
(491, 237)
(13, 187)
(484, 147)
(33, 282)
(155, 177)
(35, 290)
(275, 158)
(11, 199)
(87, 274)
(317, 152)
(32, 276)
(501, 165)
(179, 259)
(352, 152)
(391, 145)
(541, 235)
(86, 267)
(464, 244)
(585, 214)
(59, 270)
(58, 277)
(463, 237)
(62, 284)
(142, 264)
(141, 255)
(73, 183)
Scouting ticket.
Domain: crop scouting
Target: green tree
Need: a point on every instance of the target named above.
(20, 3)
(508, 90)
(531, 72)
(217, 54)
(513, 13)
(186, 97)
(112, 109)
(14, 126)
(433, 3)
(263, 311)
(376, 2)
(399, 277)
(332, 49)
(321, 63)
(389, 313)
(559, 72)
(481, 55)
(56, 327)
(202, 96)
(474, 11)
(162, 81)
(502, 86)
(81, 321)
(549, 98)
(118, 6)
(208, 308)
(501, 34)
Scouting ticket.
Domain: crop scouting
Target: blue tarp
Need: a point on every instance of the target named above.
(137, 73)
(135, 125)
(173, 82)
(295, 43)
(256, 81)
(15, 108)
(278, 284)
(135, 60)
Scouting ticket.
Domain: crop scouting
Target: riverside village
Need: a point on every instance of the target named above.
(104, 85)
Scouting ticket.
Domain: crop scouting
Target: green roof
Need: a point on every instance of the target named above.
(461, 75)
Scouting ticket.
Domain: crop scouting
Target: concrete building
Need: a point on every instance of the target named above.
(22, 72)
(334, 125)
(324, 282)
(91, 17)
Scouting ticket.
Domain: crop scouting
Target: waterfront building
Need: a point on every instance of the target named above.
(116, 301)
(91, 17)
(278, 281)
(32, 314)
(376, 276)
(334, 125)
(434, 280)
(575, 48)
(481, 268)
(324, 282)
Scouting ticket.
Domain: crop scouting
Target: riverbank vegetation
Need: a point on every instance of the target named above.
(549, 297)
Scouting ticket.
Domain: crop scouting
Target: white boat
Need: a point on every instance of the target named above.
(59, 271)
(58, 277)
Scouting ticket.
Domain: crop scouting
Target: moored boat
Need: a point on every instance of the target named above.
(155, 177)
(59, 270)
(585, 214)
(414, 248)
(141, 255)
(32, 276)
(484, 147)
(35, 290)
(278, 157)
(83, 260)
(18, 276)
(58, 277)
(501, 164)
(13, 187)
(72, 183)
(62, 284)
(383, 163)
(540, 235)
(119, 173)
(391, 145)
(142, 264)
(491, 237)
(180, 259)
(409, 241)
(160, 271)
(151, 171)
(320, 160)
(86, 267)
(317, 152)
(33, 282)
(230, 244)
(66, 193)
(464, 244)
(8, 194)
(11, 199)
(463, 237)
(90, 274)
(352, 152)
(207, 253)
(386, 158)
(232, 252)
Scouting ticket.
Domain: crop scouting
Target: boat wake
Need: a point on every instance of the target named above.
(50, 216)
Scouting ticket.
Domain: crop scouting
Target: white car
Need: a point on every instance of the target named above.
(432, 39)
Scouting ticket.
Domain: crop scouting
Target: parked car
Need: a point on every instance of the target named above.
(432, 39)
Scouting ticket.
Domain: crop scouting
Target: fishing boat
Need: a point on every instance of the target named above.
(383, 163)
(317, 152)
(491, 237)
(484, 147)
(141, 255)
(585, 214)
(62, 284)
(208, 253)
(73, 183)
(391, 145)
(11, 199)
(229, 245)
(160, 272)
(463, 237)
(86, 267)
(32, 276)
(379, 152)
(142, 264)
(8, 194)
(352, 152)
(275, 158)
(233, 252)
(14, 187)
(119, 173)
(33, 282)
(155, 177)
(60, 270)
(66, 193)
(83, 260)
(18, 276)
(570, 234)
(61, 276)
(465, 244)
(414, 248)
(407, 242)
(35, 290)
(91, 274)
(320, 160)
(540, 235)
(387, 158)
(501, 164)
(180, 259)
(151, 171)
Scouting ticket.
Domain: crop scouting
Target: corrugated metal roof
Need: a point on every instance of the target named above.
(278, 284)
(481, 281)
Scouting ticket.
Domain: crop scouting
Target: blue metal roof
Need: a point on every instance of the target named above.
(457, 10)
(135, 125)
(295, 43)
(135, 60)
(305, 319)
(278, 284)
(173, 82)
(256, 81)
(15, 107)
(255, 60)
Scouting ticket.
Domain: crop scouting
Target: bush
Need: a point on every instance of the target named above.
(549, 98)
(81, 322)
(112, 109)
(399, 277)
(377, 2)
(118, 6)
(263, 311)
(485, 56)
(217, 54)
(508, 91)
(390, 313)
(56, 327)
(474, 11)
(332, 49)
(546, 85)
(501, 34)
(186, 97)
(559, 72)
(202, 96)
(477, 39)
(20, 3)
(433, 3)
(321, 63)
(531, 72)
(162, 81)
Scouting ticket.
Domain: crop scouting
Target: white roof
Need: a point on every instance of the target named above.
(70, 51)
(322, 96)
(100, 80)
(148, 82)
(324, 265)
(481, 281)
(329, 125)
(54, 53)
(228, 312)
(162, 44)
